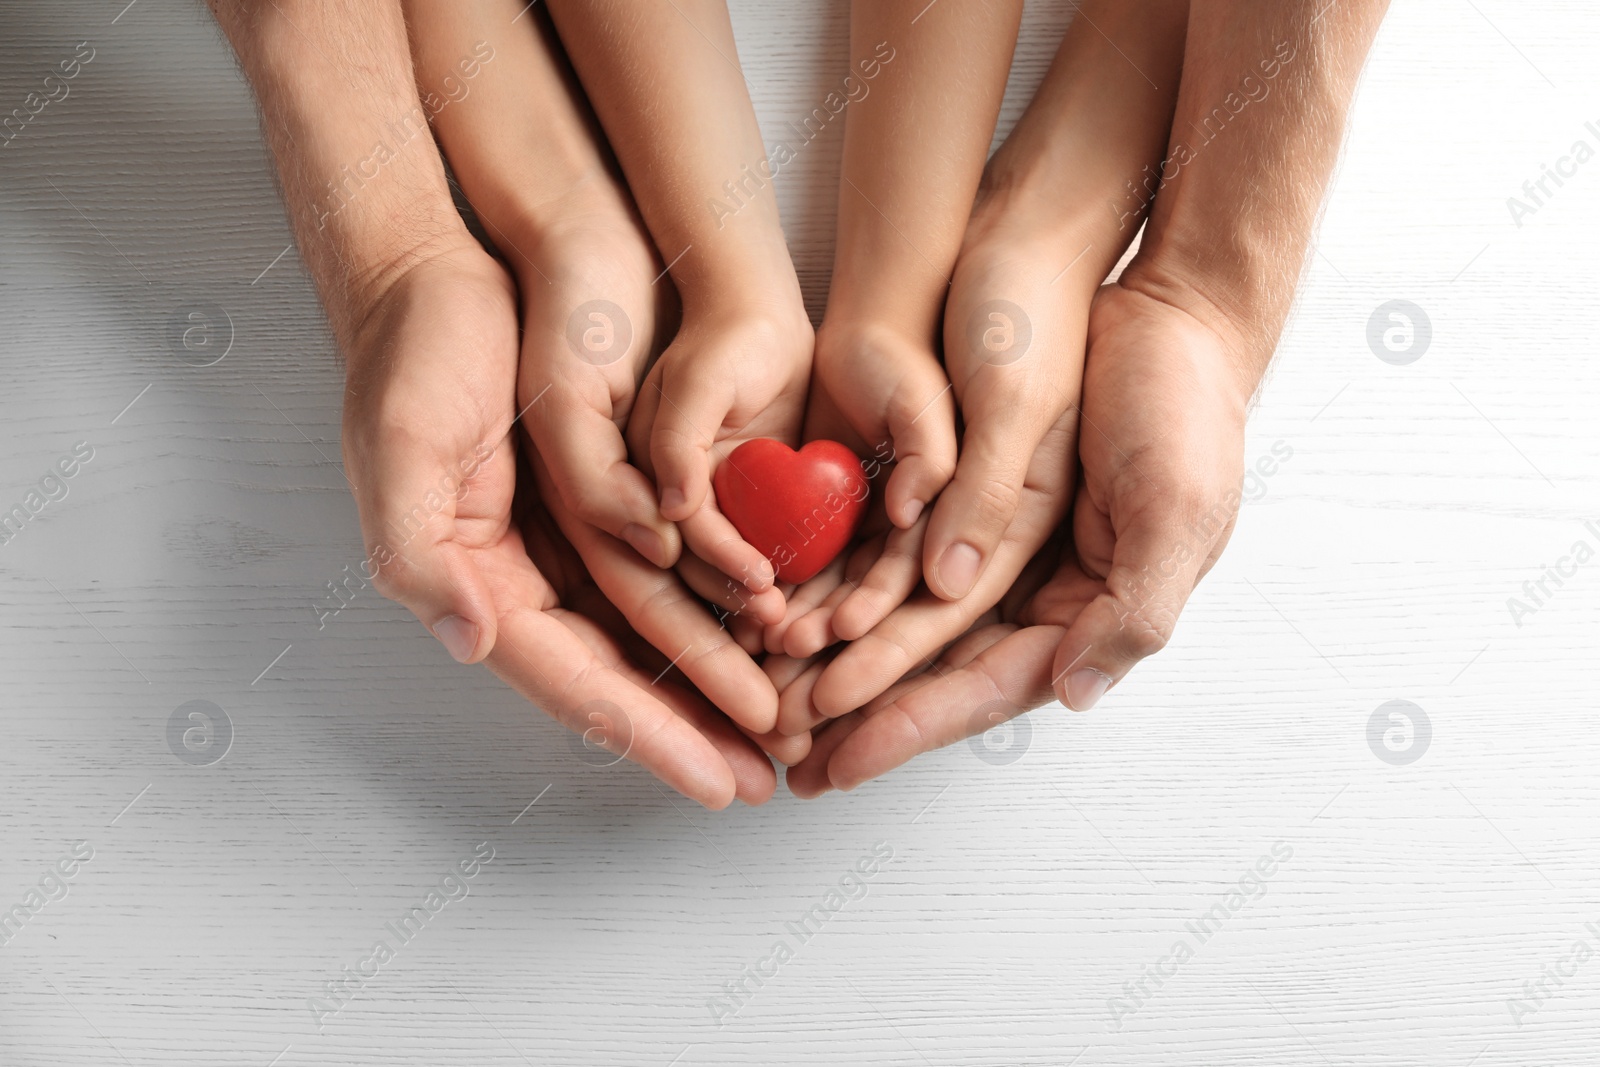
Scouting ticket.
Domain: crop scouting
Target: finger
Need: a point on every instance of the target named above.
(753, 774)
(923, 430)
(664, 612)
(808, 779)
(710, 535)
(804, 598)
(956, 656)
(813, 631)
(783, 748)
(782, 670)
(554, 668)
(892, 578)
(973, 513)
(1156, 561)
(588, 463)
(411, 548)
(796, 713)
(909, 640)
(1004, 680)
(713, 585)
(690, 412)
(747, 631)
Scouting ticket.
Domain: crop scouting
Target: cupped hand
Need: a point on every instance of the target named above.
(429, 406)
(1015, 325)
(1162, 463)
(887, 398)
(735, 371)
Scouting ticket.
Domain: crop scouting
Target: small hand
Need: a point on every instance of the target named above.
(888, 399)
(729, 376)
(1015, 324)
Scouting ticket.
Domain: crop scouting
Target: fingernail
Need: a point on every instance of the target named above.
(911, 511)
(672, 499)
(644, 541)
(958, 568)
(458, 636)
(1085, 687)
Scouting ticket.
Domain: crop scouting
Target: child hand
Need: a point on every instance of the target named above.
(730, 376)
(889, 400)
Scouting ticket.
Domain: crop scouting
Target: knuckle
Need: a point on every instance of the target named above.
(393, 578)
(588, 501)
(1144, 632)
(992, 504)
(937, 466)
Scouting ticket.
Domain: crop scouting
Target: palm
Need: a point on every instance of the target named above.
(1160, 421)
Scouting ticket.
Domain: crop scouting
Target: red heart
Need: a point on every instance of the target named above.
(800, 509)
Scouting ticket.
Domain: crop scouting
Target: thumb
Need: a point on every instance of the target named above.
(412, 558)
(688, 415)
(1156, 562)
(975, 510)
(923, 432)
(587, 460)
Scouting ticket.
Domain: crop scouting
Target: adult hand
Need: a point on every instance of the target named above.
(427, 322)
(527, 154)
(429, 403)
(1161, 449)
(1177, 348)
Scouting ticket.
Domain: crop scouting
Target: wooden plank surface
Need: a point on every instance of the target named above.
(1414, 905)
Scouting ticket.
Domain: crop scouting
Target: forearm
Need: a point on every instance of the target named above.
(1258, 128)
(923, 92)
(480, 66)
(1079, 162)
(664, 79)
(362, 182)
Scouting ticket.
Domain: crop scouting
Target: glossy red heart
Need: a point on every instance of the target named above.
(800, 509)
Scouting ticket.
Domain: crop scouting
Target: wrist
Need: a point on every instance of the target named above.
(1245, 324)
(720, 278)
(769, 323)
(877, 289)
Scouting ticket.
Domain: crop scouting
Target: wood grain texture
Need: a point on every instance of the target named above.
(186, 560)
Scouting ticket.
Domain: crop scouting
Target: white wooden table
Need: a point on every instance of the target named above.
(1416, 902)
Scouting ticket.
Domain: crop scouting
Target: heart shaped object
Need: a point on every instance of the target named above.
(799, 509)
